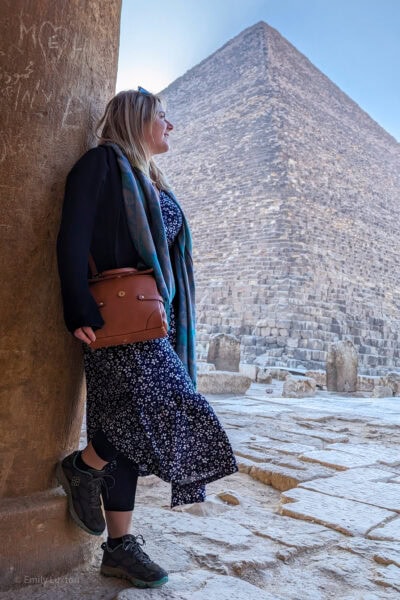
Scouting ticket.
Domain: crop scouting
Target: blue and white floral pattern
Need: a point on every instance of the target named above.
(141, 396)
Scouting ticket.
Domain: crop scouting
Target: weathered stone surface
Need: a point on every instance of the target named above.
(222, 382)
(238, 532)
(249, 370)
(298, 387)
(318, 375)
(389, 531)
(393, 381)
(342, 367)
(203, 367)
(224, 352)
(382, 391)
(336, 459)
(58, 64)
(200, 585)
(264, 376)
(384, 495)
(351, 518)
(375, 453)
(281, 476)
(367, 383)
(389, 577)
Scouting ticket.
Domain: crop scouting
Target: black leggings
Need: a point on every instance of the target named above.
(119, 495)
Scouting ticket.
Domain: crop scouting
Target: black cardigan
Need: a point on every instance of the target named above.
(93, 220)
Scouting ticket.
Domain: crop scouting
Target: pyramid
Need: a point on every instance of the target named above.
(293, 195)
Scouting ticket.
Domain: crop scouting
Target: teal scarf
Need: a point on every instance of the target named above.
(173, 272)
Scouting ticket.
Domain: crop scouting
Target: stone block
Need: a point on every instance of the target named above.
(336, 459)
(392, 380)
(366, 383)
(346, 516)
(388, 531)
(204, 367)
(224, 352)
(382, 391)
(264, 376)
(374, 493)
(341, 367)
(249, 370)
(298, 387)
(318, 375)
(389, 577)
(222, 382)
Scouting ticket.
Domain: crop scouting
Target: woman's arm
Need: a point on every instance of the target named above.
(83, 188)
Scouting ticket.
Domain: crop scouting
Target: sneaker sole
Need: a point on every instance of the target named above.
(63, 481)
(117, 572)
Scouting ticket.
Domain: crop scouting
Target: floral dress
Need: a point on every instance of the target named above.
(141, 396)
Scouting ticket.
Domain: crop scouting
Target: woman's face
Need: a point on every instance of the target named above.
(156, 136)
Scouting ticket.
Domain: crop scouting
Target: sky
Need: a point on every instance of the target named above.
(356, 43)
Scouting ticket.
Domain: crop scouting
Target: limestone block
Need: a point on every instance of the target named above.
(298, 387)
(384, 495)
(280, 374)
(282, 476)
(224, 352)
(230, 497)
(382, 391)
(318, 375)
(204, 367)
(202, 585)
(389, 577)
(366, 383)
(388, 531)
(392, 380)
(264, 376)
(374, 452)
(249, 370)
(222, 382)
(341, 367)
(336, 459)
(347, 516)
(291, 532)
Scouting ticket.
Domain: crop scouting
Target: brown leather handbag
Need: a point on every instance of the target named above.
(130, 304)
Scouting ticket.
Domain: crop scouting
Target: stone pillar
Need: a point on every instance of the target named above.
(224, 352)
(58, 63)
(342, 367)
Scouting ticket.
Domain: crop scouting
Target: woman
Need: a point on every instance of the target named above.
(143, 413)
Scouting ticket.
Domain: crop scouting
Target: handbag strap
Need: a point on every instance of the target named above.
(92, 266)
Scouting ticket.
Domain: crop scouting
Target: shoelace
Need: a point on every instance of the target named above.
(95, 485)
(135, 546)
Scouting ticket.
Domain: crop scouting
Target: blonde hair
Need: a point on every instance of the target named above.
(124, 122)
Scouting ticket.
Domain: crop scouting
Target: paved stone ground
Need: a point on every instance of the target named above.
(313, 514)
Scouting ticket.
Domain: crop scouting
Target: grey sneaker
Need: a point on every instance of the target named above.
(83, 491)
(129, 561)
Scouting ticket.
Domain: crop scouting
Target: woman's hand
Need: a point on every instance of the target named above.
(85, 334)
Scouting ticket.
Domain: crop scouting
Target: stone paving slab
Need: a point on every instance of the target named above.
(199, 585)
(324, 435)
(288, 448)
(376, 453)
(346, 516)
(389, 577)
(300, 535)
(244, 542)
(281, 477)
(375, 493)
(360, 475)
(336, 459)
(389, 531)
